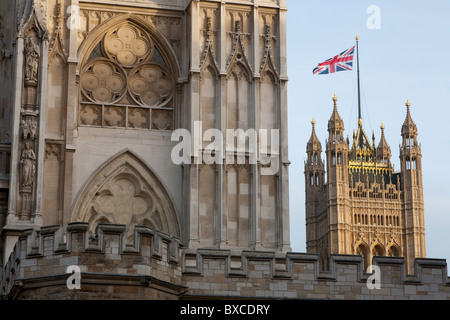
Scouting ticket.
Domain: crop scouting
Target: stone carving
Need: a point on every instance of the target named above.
(29, 129)
(138, 118)
(126, 71)
(127, 192)
(124, 204)
(32, 54)
(57, 43)
(208, 52)
(54, 149)
(128, 46)
(162, 119)
(28, 10)
(103, 82)
(268, 60)
(238, 54)
(90, 115)
(28, 165)
(115, 117)
(150, 85)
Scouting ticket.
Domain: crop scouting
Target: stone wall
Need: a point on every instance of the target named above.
(297, 276)
(157, 267)
(110, 269)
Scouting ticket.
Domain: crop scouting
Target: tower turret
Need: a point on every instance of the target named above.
(314, 164)
(314, 180)
(337, 182)
(383, 150)
(411, 177)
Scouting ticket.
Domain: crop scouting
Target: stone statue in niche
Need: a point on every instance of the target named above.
(28, 165)
(32, 54)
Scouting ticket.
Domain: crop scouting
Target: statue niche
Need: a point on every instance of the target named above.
(32, 54)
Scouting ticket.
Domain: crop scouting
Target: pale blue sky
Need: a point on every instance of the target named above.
(408, 58)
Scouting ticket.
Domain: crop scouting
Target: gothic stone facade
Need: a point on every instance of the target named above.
(95, 90)
(364, 207)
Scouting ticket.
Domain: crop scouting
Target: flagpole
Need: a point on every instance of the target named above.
(359, 90)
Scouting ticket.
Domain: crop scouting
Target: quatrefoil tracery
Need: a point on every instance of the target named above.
(150, 85)
(103, 82)
(127, 67)
(128, 46)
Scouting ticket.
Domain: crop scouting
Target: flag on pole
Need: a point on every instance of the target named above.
(341, 62)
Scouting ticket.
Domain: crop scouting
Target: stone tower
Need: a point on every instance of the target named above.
(411, 176)
(364, 207)
(93, 93)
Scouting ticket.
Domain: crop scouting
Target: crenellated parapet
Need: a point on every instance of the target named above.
(156, 266)
(40, 259)
(299, 276)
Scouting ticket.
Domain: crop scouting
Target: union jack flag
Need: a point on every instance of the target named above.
(341, 62)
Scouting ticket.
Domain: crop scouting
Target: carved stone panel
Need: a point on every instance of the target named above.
(124, 78)
(150, 85)
(115, 116)
(162, 119)
(128, 46)
(138, 118)
(103, 82)
(91, 115)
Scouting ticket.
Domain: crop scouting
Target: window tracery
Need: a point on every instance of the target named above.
(126, 83)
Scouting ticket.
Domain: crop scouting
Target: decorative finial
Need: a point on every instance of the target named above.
(408, 103)
(313, 122)
(382, 126)
(335, 99)
(357, 38)
(360, 122)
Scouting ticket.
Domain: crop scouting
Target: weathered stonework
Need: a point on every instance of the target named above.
(92, 93)
(157, 267)
(111, 269)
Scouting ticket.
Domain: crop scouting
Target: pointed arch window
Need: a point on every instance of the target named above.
(413, 163)
(339, 158)
(364, 253)
(377, 251)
